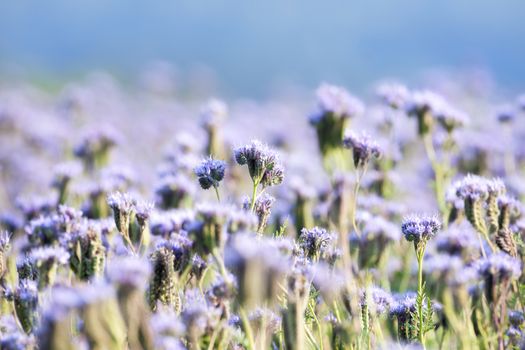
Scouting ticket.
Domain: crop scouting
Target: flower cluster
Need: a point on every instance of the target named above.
(263, 163)
(210, 173)
(420, 228)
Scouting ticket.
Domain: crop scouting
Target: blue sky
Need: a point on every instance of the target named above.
(251, 46)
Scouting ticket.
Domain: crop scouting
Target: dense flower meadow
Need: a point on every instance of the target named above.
(142, 219)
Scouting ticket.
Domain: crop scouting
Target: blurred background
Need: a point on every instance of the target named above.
(253, 49)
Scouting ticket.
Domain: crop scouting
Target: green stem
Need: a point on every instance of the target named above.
(217, 193)
(353, 207)
(420, 291)
(254, 194)
(247, 329)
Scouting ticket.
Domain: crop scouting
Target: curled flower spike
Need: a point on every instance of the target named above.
(363, 148)
(418, 228)
(263, 163)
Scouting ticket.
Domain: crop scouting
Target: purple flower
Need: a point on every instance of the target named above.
(363, 148)
(315, 242)
(516, 318)
(424, 101)
(472, 187)
(499, 266)
(263, 163)
(143, 210)
(337, 101)
(459, 240)
(377, 300)
(394, 95)
(210, 172)
(129, 271)
(450, 118)
(121, 202)
(213, 113)
(49, 254)
(419, 228)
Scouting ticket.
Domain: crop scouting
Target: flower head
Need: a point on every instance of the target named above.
(418, 228)
(499, 266)
(213, 113)
(49, 254)
(263, 163)
(210, 172)
(315, 242)
(143, 210)
(394, 95)
(337, 101)
(129, 271)
(363, 148)
(378, 301)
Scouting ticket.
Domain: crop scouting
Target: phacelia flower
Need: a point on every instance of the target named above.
(424, 105)
(262, 209)
(363, 148)
(46, 260)
(263, 163)
(418, 228)
(259, 267)
(458, 240)
(174, 191)
(450, 118)
(394, 95)
(335, 106)
(377, 300)
(129, 272)
(315, 242)
(497, 271)
(213, 113)
(210, 173)
(499, 266)
(337, 101)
